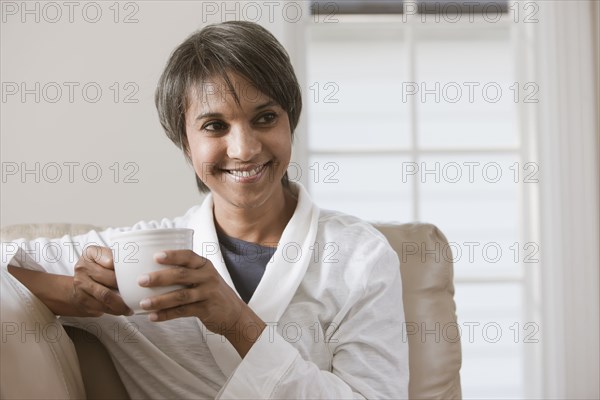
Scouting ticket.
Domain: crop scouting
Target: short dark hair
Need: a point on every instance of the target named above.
(240, 47)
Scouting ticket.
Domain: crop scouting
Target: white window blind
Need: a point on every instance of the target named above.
(413, 121)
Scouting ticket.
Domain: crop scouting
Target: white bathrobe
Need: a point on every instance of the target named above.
(331, 297)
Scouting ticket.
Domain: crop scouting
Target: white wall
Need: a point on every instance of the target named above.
(54, 45)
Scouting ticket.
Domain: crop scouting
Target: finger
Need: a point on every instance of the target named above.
(111, 302)
(174, 276)
(184, 258)
(187, 310)
(99, 255)
(172, 299)
(103, 276)
(89, 305)
(98, 273)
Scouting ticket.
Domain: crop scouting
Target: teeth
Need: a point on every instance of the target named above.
(246, 174)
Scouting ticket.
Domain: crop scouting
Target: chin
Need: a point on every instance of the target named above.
(247, 202)
(242, 198)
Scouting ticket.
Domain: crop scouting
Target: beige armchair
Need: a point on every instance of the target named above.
(73, 364)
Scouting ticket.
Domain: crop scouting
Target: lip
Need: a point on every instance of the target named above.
(248, 167)
(247, 179)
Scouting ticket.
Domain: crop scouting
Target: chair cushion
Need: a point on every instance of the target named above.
(428, 293)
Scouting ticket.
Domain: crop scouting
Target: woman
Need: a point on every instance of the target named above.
(281, 299)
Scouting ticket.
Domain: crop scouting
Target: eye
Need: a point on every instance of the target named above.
(215, 126)
(267, 118)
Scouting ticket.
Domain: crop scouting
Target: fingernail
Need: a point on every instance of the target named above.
(143, 280)
(153, 317)
(160, 256)
(145, 303)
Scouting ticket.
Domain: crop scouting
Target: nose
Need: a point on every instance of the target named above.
(243, 143)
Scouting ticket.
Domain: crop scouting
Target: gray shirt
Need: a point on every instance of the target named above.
(246, 263)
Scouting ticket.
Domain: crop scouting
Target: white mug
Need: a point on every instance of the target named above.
(133, 256)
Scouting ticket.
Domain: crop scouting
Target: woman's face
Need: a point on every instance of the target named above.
(240, 151)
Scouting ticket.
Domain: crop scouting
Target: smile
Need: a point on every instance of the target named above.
(247, 175)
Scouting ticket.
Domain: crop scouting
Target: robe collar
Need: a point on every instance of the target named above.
(283, 274)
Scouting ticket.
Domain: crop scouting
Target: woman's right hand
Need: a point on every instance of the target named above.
(94, 285)
(89, 293)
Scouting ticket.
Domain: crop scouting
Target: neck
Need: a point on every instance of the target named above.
(263, 224)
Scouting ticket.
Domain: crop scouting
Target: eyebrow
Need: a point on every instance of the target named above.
(269, 103)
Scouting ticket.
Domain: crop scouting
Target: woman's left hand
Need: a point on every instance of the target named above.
(206, 296)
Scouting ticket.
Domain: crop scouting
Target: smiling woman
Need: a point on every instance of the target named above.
(201, 67)
(240, 149)
(261, 311)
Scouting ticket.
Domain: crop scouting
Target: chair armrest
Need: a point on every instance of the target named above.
(38, 358)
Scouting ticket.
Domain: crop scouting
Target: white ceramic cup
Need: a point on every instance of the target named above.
(133, 255)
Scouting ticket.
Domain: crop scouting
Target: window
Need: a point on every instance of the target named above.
(416, 118)
(364, 7)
